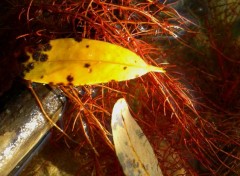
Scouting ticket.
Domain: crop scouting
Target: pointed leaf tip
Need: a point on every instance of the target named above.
(156, 69)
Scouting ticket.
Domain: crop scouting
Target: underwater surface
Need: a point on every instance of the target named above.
(190, 114)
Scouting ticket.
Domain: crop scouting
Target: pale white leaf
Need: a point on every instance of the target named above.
(133, 149)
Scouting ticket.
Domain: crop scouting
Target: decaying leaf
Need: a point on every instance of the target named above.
(70, 62)
(132, 147)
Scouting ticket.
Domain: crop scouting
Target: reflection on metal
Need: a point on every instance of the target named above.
(22, 126)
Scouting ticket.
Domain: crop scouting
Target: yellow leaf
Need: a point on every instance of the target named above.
(132, 147)
(67, 61)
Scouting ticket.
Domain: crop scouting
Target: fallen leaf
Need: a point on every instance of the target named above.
(69, 62)
(133, 149)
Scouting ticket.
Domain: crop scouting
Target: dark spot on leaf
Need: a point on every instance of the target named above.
(135, 61)
(43, 57)
(139, 172)
(41, 77)
(118, 121)
(36, 55)
(135, 163)
(87, 65)
(30, 66)
(139, 133)
(69, 78)
(129, 163)
(87, 46)
(27, 70)
(78, 38)
(124, 68)
(47, 47)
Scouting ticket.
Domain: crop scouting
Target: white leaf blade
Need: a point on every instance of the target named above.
(132, 147)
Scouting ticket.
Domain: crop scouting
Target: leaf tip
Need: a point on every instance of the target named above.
(156, 69)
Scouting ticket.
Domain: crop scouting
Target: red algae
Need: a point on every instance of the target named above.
(189, 136)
